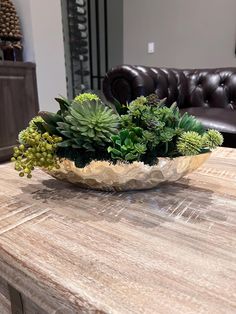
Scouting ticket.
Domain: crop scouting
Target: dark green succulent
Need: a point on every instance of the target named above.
(120, 108)
(153, 100)
(151, 139)
(190, 123)
(169, 116)
(50, 120)
(167, 134)
(88, 125)
(128, 145)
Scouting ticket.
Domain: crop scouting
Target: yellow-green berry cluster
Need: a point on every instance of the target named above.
(39, 150)
(22, 137)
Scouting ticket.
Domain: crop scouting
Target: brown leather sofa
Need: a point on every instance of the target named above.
(209, 94)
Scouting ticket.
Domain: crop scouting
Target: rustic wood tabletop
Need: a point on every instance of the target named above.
(167, 250)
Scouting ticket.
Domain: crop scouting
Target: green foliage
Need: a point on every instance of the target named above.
(159, 124)
(86, 129)
(128, 145)
(88, 125)
(212, 139)
(189, 143)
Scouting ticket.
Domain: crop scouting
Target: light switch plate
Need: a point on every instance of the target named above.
(151, 47)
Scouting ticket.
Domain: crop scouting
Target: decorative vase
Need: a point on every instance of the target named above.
(102, 175)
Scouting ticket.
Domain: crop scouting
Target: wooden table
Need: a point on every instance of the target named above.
(168, 250)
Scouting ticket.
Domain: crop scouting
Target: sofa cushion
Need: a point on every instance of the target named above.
(223, 120)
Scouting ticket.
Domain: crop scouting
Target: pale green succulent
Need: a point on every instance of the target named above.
(22, 137)
(32, 125)
(212, 139)
(85, 97)
(189, 143)
(88, 125)
(137, 106)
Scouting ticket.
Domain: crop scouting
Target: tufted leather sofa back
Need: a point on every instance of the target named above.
(212, 87)
(189, 88)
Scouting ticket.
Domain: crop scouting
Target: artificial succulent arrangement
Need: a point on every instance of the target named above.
(86, 129)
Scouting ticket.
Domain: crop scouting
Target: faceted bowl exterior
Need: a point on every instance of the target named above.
(102, 175)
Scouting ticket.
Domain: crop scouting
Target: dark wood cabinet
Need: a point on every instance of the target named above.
(18, 102)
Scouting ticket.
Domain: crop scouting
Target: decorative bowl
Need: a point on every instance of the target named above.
(102, 175)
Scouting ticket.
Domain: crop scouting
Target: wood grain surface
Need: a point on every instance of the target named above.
(5, 306)
(167, 250)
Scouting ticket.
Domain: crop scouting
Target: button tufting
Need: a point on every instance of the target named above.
(222, 84)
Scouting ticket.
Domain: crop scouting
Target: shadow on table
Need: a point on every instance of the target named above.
(150, 208)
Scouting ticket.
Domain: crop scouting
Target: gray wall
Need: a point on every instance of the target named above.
(41, 23)
(115, 32)
(187, 33)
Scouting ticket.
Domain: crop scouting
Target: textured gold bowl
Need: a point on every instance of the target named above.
(101, 175)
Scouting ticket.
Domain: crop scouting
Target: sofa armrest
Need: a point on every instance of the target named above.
(125, 83)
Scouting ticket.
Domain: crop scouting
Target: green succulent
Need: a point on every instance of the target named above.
(153, 100)
(190, 123)
(169, 116)
(126, 121)
(159, 124)
(151, 139)
(138, 106)
(212, 139)
(128, 145)
(88, 125)
(86, 97)
(189, 143)
(167, 134)
(22, 137)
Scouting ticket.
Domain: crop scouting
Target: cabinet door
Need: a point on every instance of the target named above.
(18, 103)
